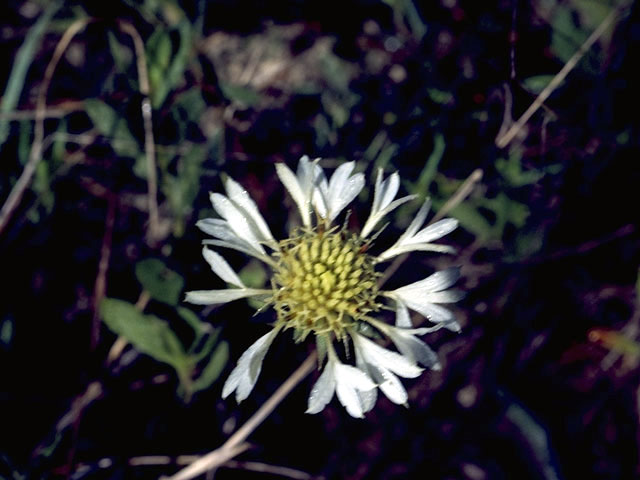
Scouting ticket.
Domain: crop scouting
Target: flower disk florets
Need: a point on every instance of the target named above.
(324, 282)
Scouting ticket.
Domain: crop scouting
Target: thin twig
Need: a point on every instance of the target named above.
(461, 194)
(227, 451)
(35, 155)
(58, 111)
(181, 460)
(513, 38)
(147, 119)
(504, 140)
(100, 287)
(94, 391)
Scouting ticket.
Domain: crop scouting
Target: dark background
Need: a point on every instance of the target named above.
(542, 383)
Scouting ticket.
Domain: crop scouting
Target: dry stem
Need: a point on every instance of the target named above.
(229, 449)
(149, 143)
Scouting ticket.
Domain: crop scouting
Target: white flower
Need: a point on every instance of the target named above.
(412, 239)
(324, 283)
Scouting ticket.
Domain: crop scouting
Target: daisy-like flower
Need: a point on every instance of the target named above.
(324, 282)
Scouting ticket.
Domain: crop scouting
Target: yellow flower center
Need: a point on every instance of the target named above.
(324, 282)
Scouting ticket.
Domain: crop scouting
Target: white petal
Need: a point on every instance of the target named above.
(435, 282)
(388, 190)
(393, 389)
(414, 348)
(353, 376)
(386, 359)
(244, 376)
(387, 381)
(237, 220)
(241, 247)
(309, 175)
(321, 194)
(368, 398)
(435, 231)
(221, 229)
(290, 181)
(435, 313)
(403, 320)
(413, 247)
(216, 227)
(412, 240)
(416, 223)
(348, 381)
(383, 195)
(395, 204)
(425, 330)
(447, 296)
(322, 391)
(221, 268)
(241, 198)
(340, 176)
(215, 297)
(343, 197)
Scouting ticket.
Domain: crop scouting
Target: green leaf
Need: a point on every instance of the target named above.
(163, 50)
(253, 274)
(6, 332)
(214, 368)
(173, 69)
(162, 284)
(42, 186)
(147, 333)
(242, 95)
(470, 219)
(440, 97)
(121, 54)
(537, 83)
(182, 189)
(513, 172)
(102, 115)
(193, 320)
(431, 167)
(111, 125)
(567, 36)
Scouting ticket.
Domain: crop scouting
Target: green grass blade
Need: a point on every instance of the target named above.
(24, 56)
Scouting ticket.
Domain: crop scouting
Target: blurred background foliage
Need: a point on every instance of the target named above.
(102, 363)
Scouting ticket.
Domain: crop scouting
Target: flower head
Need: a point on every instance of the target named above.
(324, 283)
